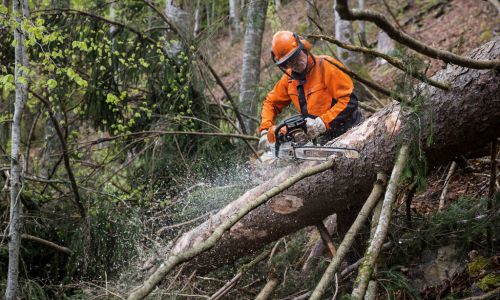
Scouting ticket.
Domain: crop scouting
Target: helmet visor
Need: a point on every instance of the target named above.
(283, 62)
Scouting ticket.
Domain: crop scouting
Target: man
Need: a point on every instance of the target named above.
(319, 90)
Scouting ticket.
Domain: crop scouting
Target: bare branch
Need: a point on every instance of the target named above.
(381, 21)
(67, 164)
(348, 240)
(373, 250)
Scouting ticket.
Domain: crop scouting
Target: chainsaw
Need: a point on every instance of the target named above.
(292, 143)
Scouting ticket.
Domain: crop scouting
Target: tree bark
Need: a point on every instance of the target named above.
(250, 73)
(19, 8)
(344, 33)
(234, 20)
(457, 121)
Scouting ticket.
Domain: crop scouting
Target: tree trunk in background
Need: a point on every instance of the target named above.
(197, 19)
(312, 13)
(344, 33)
(51, 146)
(250, 74)
(16, 212)
(451, 117)
(234, 19)
(362, 27)
(278, 4)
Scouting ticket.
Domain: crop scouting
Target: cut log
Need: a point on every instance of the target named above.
(457, 121)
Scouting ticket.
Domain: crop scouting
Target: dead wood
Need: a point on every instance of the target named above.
(348, 240)
(453, 167)
(380, 234)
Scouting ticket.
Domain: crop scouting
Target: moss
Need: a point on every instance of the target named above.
(485, 36)
(475, 266)
(489, 281)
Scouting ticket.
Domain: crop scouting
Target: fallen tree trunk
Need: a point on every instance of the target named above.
(460, 120)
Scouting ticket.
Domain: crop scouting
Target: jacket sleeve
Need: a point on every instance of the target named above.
(275, 101)
(340, 86)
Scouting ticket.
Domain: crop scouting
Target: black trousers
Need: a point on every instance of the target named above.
(350, 117)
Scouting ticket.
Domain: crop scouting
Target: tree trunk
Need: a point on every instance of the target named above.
(234, 20)
(463, 119)
(344, 33)
(15, 223)
(250, 74)
(197, 19)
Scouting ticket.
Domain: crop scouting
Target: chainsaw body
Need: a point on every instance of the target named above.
(292, 143)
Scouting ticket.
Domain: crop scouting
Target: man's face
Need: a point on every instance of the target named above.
(299, 63)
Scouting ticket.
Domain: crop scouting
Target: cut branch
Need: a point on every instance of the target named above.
(381, 21)
(348, 240)
(373, 250)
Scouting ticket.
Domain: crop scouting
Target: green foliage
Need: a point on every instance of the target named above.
(107, 242)
(462, 223)
(396, 285)
(406, 85)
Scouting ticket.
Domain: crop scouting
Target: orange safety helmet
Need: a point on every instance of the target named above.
(287, 45)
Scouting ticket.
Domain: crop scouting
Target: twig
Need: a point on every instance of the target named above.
(408, 200)
(164, 228)
(268, 289)
(348, 240)
(175, 259)
(485, 296)
(381, 21)
(327, 239)
(491, 191)
(336, 287)
(41, 241)
(453, 167)
(373, 250)
(231, 283)
(319, 246)
(65, 152)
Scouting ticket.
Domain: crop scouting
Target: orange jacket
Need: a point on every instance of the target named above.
(324, 82)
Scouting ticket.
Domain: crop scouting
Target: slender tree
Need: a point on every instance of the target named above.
(250, 74)
(344, 33)
(234, 20)
(20, 11)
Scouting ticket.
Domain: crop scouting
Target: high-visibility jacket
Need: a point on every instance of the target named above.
(327, 90)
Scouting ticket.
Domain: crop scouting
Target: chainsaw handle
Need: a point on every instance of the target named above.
(280, 137)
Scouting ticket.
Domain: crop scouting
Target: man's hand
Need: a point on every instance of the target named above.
(315, 127)
(263, 142)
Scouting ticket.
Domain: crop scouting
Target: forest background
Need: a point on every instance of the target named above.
(124, 124)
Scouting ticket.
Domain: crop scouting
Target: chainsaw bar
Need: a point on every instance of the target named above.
(315, 152)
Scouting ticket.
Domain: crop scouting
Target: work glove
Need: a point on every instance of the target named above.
(263, 141)
(315, 127)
